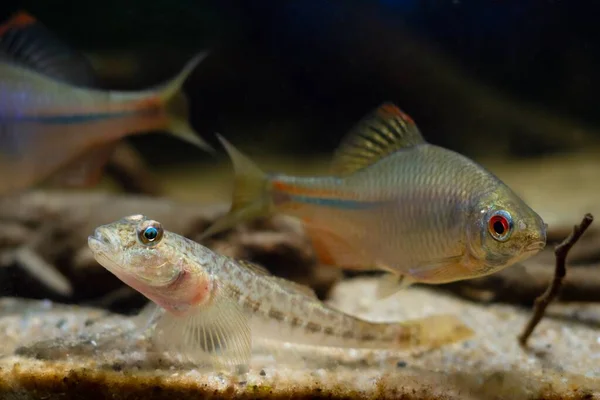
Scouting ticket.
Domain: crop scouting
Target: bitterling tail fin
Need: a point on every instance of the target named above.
(251, 193)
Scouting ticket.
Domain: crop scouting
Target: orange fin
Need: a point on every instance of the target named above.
(30, 44)
(87, 169)
(19, 20)
(377, 135)
(332, 249)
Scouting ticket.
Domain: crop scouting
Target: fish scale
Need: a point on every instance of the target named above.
(297, 317)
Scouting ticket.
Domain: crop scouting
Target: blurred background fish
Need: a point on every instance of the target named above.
(398, 204)
(53, 119)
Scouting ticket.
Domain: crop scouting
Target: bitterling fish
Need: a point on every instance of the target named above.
(215, 305)
(53, 119)
(396, 203)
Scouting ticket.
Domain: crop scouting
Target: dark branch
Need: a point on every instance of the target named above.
(561, 251)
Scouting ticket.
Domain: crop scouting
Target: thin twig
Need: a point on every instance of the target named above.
(561, 251)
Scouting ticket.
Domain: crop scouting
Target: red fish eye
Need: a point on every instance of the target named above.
(499, 226)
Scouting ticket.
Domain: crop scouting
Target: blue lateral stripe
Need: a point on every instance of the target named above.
(337, 203)
(76, 118)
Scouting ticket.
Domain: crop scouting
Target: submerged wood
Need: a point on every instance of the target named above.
(560, 271)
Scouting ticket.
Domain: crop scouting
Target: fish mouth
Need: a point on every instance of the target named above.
(100, 242)
(105, 248)
(535, 246)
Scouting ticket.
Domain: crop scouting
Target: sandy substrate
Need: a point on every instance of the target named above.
(94, 360)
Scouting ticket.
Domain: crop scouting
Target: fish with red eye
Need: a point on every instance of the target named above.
(395, 203)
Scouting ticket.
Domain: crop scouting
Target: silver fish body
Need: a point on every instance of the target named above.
(414, 209)
(27, 94)
(396, 203)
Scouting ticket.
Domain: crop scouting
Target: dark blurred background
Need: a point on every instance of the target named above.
(495, 78)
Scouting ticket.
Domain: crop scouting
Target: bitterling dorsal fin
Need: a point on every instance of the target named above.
(377, 135)
(27, 42)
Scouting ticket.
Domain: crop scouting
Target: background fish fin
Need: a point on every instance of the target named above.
(170, 88)
(176, 105)
(390, 284)
(87, 169)
(251, 197)
(29, 43)
(380, 133)
(332, 249)
(218, 333)
(18, 20)
(439, 271)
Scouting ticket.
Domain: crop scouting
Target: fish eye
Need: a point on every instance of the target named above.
(500, 225)
(150, 233)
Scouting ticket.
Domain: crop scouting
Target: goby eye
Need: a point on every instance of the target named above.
(150, 233)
